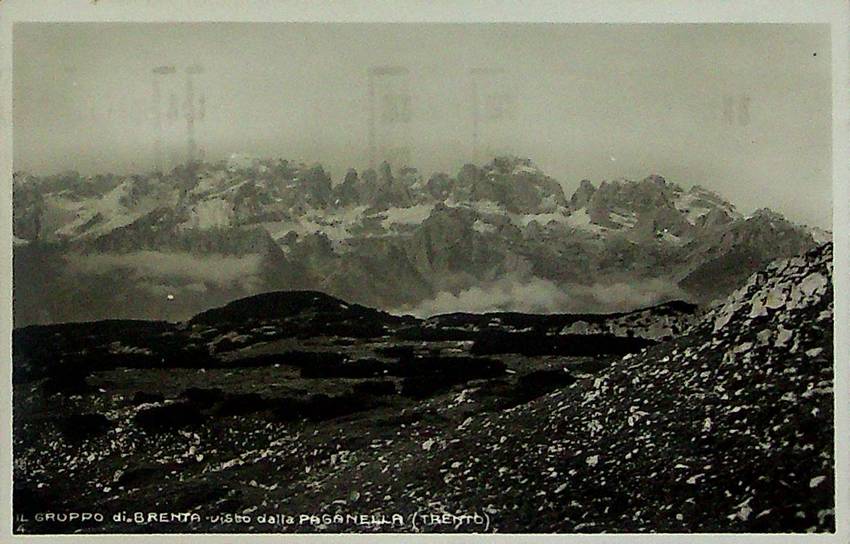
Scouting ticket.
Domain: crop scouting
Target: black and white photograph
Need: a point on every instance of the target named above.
(318, 276)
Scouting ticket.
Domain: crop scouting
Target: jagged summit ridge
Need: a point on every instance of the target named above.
(504, 227)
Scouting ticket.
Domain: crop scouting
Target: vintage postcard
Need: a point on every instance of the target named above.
(405, 268)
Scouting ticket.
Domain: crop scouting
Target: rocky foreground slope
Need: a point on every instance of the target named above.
(726, 428)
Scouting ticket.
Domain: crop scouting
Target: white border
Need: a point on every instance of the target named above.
(833, 12)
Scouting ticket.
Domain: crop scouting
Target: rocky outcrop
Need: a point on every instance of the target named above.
(728, 428)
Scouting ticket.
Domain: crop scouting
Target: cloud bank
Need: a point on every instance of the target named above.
(219, 270)
(545, 297)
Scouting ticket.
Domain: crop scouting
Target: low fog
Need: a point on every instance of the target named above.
(544, 297)
(218, 270)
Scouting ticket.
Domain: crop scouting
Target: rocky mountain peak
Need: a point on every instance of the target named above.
(510, 164)
(766, 214)
(656, 179)
(385, 174)
(348, 192)
(582, 195)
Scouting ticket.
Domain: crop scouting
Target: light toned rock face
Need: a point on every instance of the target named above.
(651, 324)
(729, 427)
(776, 293)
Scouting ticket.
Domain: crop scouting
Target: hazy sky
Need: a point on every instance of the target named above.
(742, 109)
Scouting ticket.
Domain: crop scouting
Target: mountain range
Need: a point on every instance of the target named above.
(499, 237)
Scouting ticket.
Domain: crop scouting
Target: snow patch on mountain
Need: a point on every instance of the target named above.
(671, 238)
(523, 220)
(104, 214)
(413, 215)
(210, 213)
(483, 227)
(526, 169)
(336, 224)
(580, 220)
(335, 231)
(690, 206)
(625, 219)
(483, 207)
